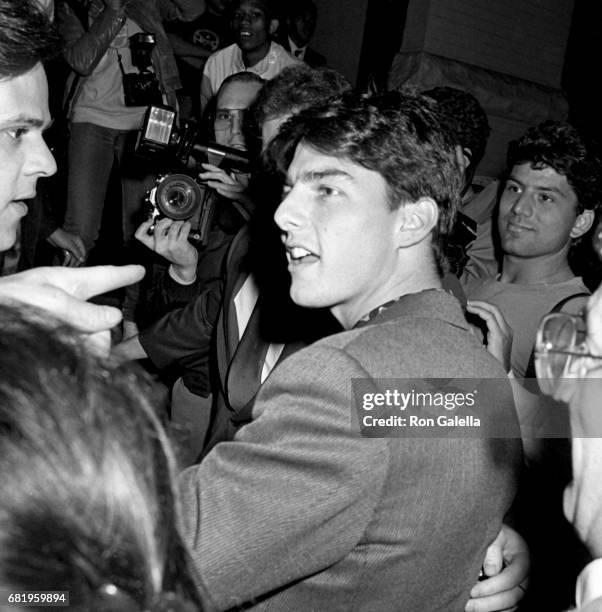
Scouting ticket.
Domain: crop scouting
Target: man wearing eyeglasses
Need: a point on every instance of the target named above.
(189, 272)
(568, 360)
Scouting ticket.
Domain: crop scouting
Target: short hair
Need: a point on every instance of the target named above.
(269, 6)
(296, 88)
(89, 501)
(397, 134)
(26, 37)
(245, 76)
(462, 114)
(295, 8)
(558, 145)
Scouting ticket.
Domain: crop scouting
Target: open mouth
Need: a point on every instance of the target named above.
(299, 255)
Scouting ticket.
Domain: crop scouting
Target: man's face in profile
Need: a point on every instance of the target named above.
(24, 156)
(340, 234)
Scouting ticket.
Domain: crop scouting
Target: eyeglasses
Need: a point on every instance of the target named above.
(560, 340)
(224, 118)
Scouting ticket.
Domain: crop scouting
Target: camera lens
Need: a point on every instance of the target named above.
(178, 196)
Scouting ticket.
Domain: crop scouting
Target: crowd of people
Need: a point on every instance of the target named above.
(371, 385)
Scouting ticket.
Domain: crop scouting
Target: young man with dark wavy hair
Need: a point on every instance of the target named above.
(303, 510)
(550, 198)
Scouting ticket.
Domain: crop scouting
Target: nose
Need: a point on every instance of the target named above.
(40, 161)
(237, 135)
(522, 204)
(289, 213)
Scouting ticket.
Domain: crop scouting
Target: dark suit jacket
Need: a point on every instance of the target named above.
(203, 337)
(311, 58)
(301, 512)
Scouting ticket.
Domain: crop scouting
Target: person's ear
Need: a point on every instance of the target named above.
(416, 221)
(582, 224)
(463, 156)
(274, 23)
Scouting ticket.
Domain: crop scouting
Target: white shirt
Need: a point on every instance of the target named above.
(229, 61)
(298, 52)
(244, 302)
(589, 584)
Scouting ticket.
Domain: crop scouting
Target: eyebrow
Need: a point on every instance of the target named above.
(539, 187)
(21, 120)
(317, 175)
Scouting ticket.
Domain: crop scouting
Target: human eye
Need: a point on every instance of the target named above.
(512, 187)
(326, 191)
(545, 198)
(16, 133)
(222, 115)
(286, 189)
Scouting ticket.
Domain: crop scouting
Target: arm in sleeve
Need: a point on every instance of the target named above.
(183, 332)
(84, 49)
(181, 10)
(296, 489)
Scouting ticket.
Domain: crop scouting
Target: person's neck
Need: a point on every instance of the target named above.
(412, 278)
(537, 270)
(250, 58)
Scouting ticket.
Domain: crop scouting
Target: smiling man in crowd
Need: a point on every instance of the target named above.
(301, 511)
(254, 23)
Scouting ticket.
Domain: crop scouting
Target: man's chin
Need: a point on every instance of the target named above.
(8, 237)
(307, 299)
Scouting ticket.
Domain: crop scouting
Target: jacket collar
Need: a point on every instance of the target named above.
(427, 304)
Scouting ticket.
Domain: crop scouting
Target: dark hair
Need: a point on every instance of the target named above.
(295, 8)
(88, 502)
(296, 88)
(26, 37)
(558, 145)
(397, 134)
(270, 7)
(466, 120)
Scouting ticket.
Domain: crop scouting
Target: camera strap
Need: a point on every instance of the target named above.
(120, 64)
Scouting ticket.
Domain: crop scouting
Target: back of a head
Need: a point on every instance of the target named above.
(296, 88)
(26, 37)
(88, 503)
(559, 145)
(462, 114)
(397, 134)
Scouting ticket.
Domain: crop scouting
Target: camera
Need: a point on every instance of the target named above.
(177, 194)
(141, 88)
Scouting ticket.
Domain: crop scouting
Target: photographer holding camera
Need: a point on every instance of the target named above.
(220, 189)
(122, 61)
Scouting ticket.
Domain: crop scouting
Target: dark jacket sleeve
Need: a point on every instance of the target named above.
(82, 48)
(181, 10)
(185, 332)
